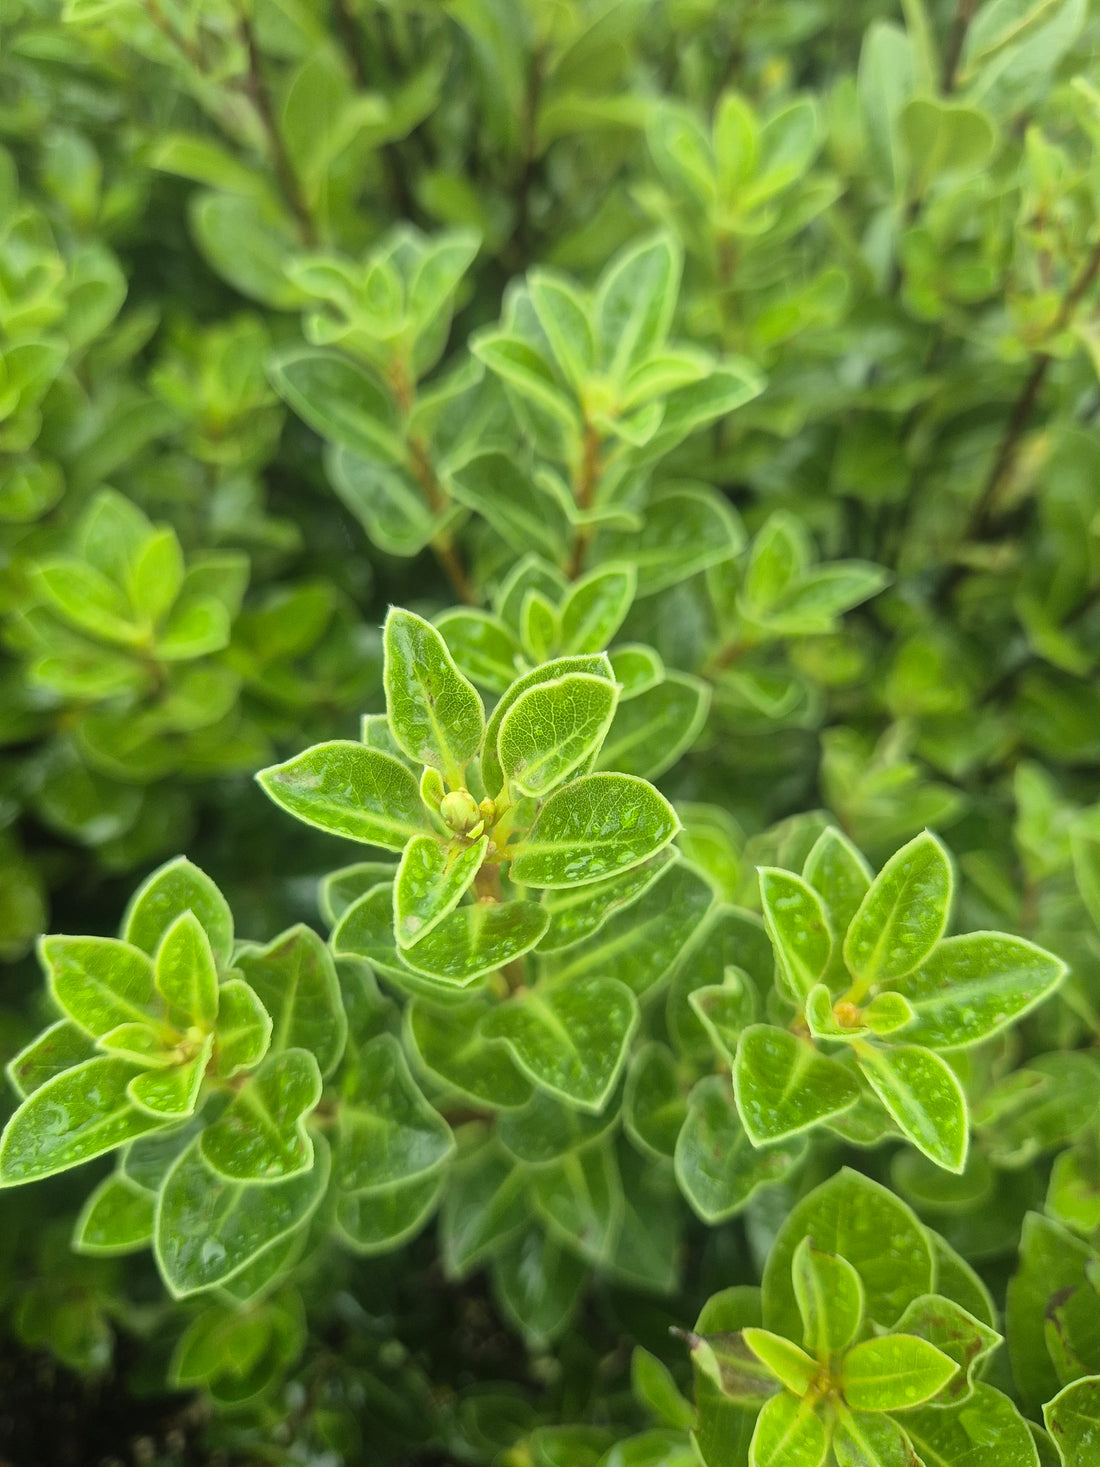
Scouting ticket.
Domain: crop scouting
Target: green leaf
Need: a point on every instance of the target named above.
(379, 1221)
(243, 1031)
(261, 1135)
(510, 498)
(955, 1331)
(924, 1096)
(798, 927)
(448, 1042)
(58, 1048)
(294, 977)
(485, 1207)
(434, 712)
(80, 1113)
(553, 729)
(482, 645)
(346, 789)
(186, 973)
(636, 668)
(830, 1299)
(783, 1086)
(564, 316)
(580, 1199)
(1073, 1420)
(718, 1168)
(431, 881)
(839, 875)
(339, 400)
(655, 727)
(788, 1434)
(172, 1093)
(654, 1386)
(654, 1103)
(538, 1284)
(987, 1431)
(141, 1044)
(598, 824)
(571, 1038)
(687, 529)
(340, 889)
(634, 303)
(208, 1228)
(475, 940)
(579, 912)
(726, 1010)
(173, 889)
(869, 1439)
(860, 1220)
(387, 501)
(117, 1218)
(595, 665)
(387, 1132)
(546, 1128)
(86, 598)
(973, 986)
(99, 982)
(785, 1360)
(641, 945)
(595, 606)
(894, 1373)
(903, 915)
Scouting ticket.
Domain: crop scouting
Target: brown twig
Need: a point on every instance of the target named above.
(956, 38)
(260, 94)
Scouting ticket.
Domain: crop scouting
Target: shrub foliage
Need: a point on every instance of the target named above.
(623, 476)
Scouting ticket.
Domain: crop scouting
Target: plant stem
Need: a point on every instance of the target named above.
(960, 24)
(261, 99)
(1022, 409)
(584, 491)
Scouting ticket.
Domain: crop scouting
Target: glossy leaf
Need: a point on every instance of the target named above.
(98, 981)
(593, 664)
(475, 940)
(924, 1096)
(448, 1041)
(261, 1135)
(784, 1086)
(435, 713)
(903, 915)
(830, 1299)
(788, 1434)
(346, 789)
(598, 824)
(388, 1133)
(798, 927)
(117, 1218)
(553, 729)
(718, 1167)
(431, 881)
(294, 978)
(186, 973)
(244, 1029)
(173, 889)
(894, 1373)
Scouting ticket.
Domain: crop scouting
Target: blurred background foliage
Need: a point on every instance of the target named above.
(271, 357)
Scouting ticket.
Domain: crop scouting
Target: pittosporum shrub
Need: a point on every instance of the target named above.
(623, 477)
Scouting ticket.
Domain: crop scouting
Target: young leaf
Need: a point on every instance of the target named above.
(261, 1135)
(98, 981)
(595, 665)
(554, 728)
(894, 1373)
(786, 1361)
(718, 1168)
(875, 1231)
(186, 973)
(598, 824)
(973, 986)
(903, 915)
(830, 1299)
(570, 1038)
(924, 1096)
(80, 1113)
(209, 1228)
(595, 606)
(172, 1093)
(173, 889)
(634, 303)
(243, 1032)
(869, 1439)
(788, 1433)
(839, 875)
(798, 928)
(431, 881)
(434, 712)
(784, 1086)
(349, 790)
(388, 1133)
(294, 978)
